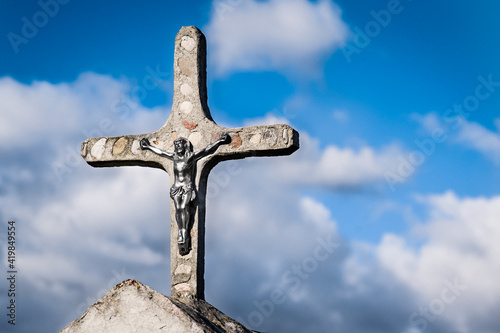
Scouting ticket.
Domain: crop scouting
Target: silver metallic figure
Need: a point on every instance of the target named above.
(183, 192)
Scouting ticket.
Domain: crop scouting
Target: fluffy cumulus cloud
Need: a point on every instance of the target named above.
(275, 258)
(74, 235)
(440, 276)
(339, 168)
(481, 139)
(276, 261)
(453, 269)
(459, 130)
(290, 36)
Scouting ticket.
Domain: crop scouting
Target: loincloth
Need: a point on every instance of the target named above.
(182, 190)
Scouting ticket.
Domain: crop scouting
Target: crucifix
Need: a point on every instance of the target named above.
(187, 147)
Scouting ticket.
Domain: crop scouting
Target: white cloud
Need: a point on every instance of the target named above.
(268, 119)
(332, 166)
(290, 36)
(479, 138)
(36, 111)
(338, 167)
(459, 246)
(429, 122)
(70, 212)
(340, 116)
(466, 133)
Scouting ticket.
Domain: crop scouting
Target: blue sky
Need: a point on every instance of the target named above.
(396, 103)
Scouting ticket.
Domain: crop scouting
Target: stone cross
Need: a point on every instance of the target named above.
(190, 118)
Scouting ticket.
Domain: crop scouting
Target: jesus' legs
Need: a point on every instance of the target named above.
(182, 215)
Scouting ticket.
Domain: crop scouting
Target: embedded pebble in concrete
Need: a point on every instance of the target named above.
(270, 136)
(235, 140)
(186, 107)
(119, 146)
(285, 136)
(195, 138)
(255, 139)
(98, 148)
(182, 287)
(183, 269)
(186, 89)
(189, 125)
(186, 67)
(188, 43)
(136, 147)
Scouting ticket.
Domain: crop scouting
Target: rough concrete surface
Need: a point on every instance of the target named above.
(133, 307)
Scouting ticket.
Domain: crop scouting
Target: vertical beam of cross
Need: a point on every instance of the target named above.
(190, 118)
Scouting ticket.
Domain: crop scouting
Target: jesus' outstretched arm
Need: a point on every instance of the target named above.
(211, 148)
(146, 145)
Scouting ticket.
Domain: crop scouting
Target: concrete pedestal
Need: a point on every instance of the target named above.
(133, 307)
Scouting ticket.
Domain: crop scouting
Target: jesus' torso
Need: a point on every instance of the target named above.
(184, 168)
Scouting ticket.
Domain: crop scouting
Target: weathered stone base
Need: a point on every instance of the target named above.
(133, 307)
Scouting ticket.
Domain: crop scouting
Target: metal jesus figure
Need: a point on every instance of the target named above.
(183, 192)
